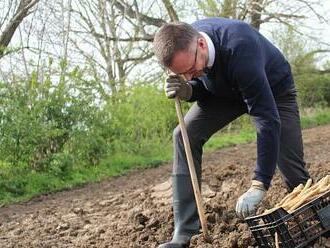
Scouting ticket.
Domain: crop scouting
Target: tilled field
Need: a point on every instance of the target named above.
(135, 210)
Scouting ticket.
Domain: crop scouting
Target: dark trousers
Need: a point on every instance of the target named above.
(205, 118)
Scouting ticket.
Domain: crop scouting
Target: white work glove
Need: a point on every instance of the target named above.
(177, 86)
(247, 203)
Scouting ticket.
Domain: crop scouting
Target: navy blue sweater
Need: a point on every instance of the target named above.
(247, 69)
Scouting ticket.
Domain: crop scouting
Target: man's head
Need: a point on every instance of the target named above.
(181, 49)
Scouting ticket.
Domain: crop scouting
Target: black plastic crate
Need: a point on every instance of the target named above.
(296, 230)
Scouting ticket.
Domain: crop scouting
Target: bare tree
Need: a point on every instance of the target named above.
(15, 14)
(258, 12)
(110, 39)
(120, 34)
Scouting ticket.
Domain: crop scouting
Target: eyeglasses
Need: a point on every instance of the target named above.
(192, 68)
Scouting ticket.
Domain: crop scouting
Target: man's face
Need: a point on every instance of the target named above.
(191, 62)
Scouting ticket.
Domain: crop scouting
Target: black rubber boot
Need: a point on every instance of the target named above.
(186, 220)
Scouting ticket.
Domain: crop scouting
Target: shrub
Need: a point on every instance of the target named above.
(313, 90)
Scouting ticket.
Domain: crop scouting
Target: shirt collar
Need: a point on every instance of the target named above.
(211, 49)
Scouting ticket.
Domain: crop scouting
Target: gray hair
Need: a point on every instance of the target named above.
(171, 38)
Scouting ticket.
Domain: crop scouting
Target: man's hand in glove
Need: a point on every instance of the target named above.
(177, 86)
(247, 203)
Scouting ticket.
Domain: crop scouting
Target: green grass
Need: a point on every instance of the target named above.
(230, 139)
(20, 184)
(316, 118)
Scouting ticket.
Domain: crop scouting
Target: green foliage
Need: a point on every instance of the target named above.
(60, 133)
(38, 120)
(313, 87)
(60, 164)
(140, 121)
(315, 117)
(313, 90)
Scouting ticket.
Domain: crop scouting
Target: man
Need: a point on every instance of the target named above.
(229, 69)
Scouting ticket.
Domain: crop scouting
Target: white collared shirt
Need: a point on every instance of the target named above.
(211, 49)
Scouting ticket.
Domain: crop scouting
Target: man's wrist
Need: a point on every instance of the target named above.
(258, 185)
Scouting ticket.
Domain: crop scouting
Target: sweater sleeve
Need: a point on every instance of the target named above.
(247, 71)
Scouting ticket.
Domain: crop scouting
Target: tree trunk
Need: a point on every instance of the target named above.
(256, 7)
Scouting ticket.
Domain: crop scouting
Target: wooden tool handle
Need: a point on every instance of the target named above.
(192, 170)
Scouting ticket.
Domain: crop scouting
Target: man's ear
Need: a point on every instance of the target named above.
(202, 42)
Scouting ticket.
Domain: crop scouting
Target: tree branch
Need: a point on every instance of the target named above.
(137, 59)
(130, 12)
(170, 10)
(148, 37)
(23, 10)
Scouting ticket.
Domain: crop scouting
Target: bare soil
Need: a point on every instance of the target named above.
(135, 210)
